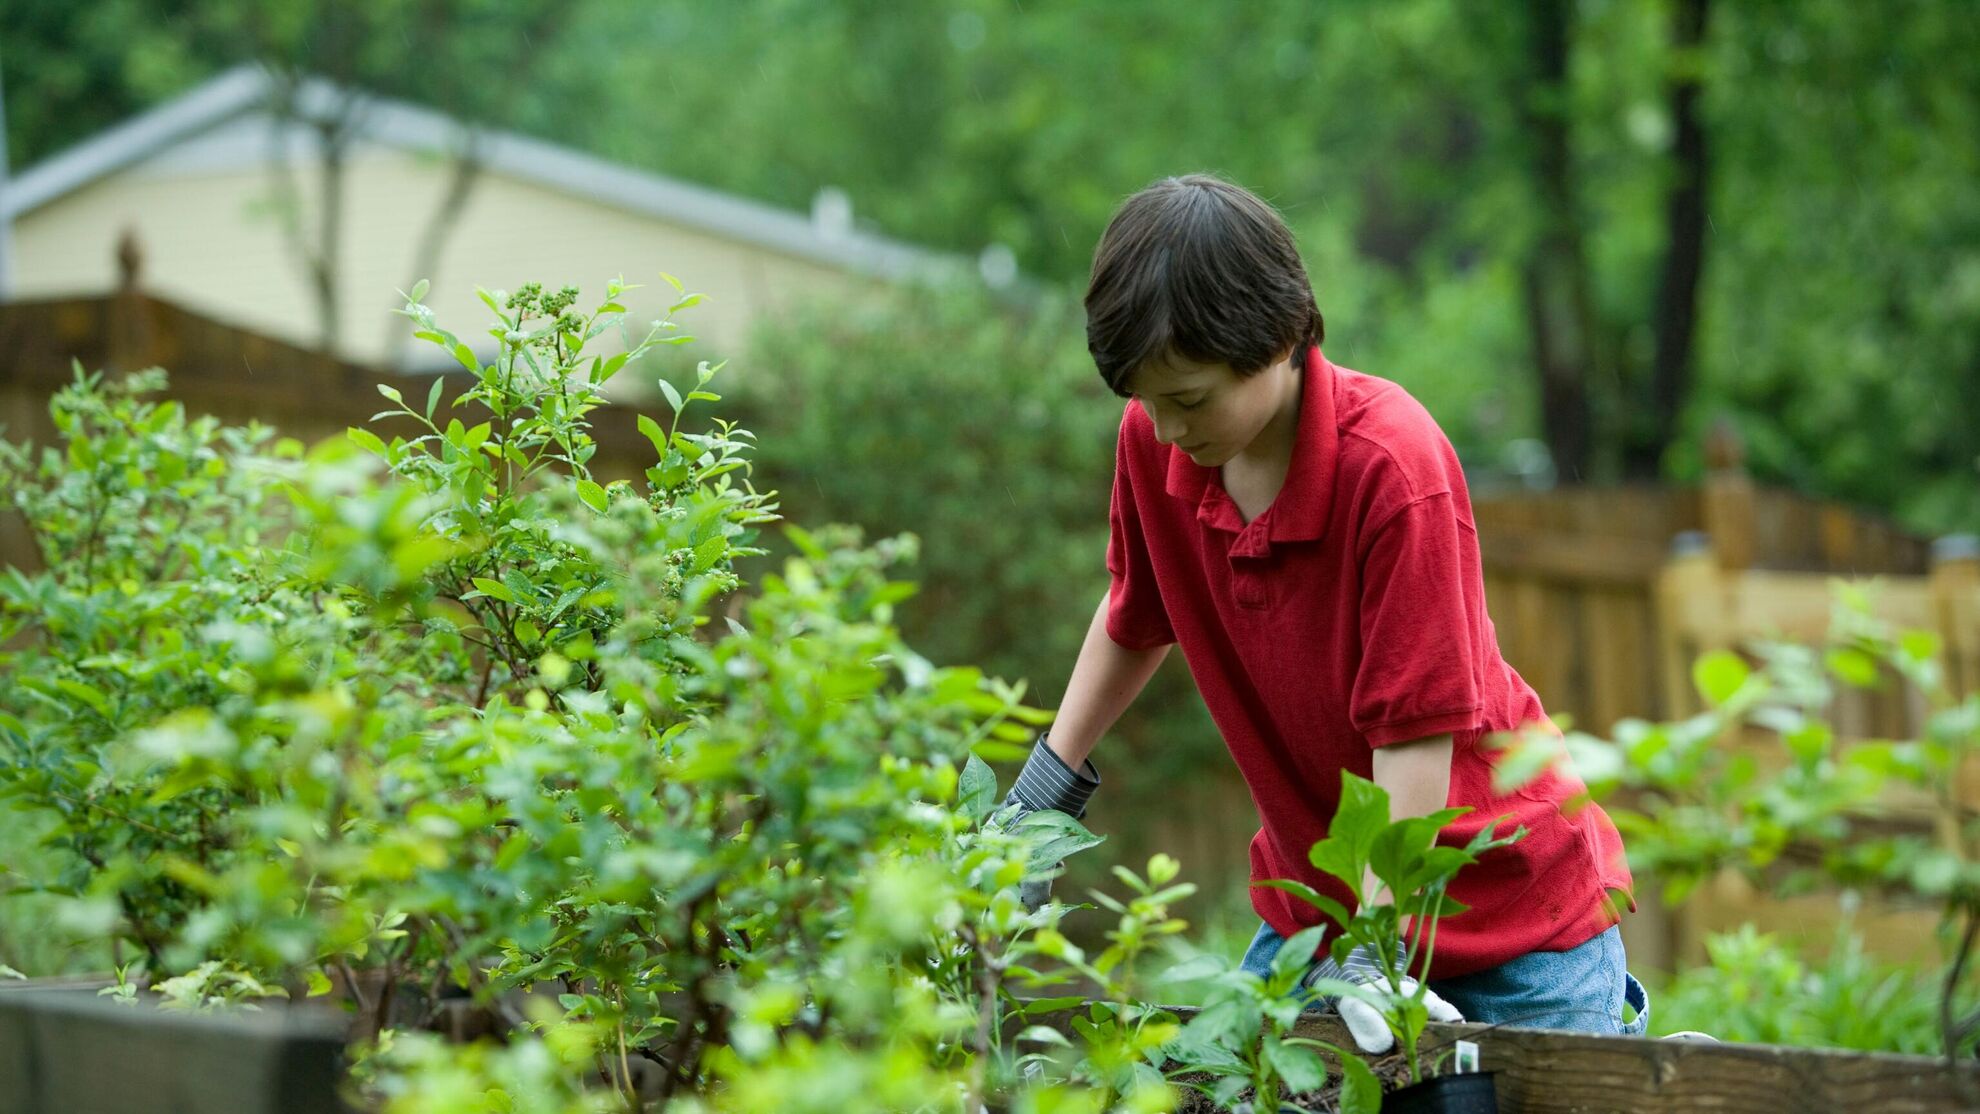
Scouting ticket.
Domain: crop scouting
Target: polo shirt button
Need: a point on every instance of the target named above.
(1249, 588)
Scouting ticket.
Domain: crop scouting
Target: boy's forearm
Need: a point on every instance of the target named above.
(1417, 777)
(1105, 680)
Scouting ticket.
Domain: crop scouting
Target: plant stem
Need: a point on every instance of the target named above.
(1948, 1031)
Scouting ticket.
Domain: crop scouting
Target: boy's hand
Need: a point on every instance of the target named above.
(1362, 1019)
(1047, 782)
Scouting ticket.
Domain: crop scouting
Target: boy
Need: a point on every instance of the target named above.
(1303, 531)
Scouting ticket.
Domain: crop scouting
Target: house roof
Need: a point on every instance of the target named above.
(204, 111)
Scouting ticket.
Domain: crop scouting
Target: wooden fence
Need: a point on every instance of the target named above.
(1572, 577)
(1603, 599)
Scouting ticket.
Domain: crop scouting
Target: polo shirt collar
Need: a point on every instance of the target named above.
(1299, 511)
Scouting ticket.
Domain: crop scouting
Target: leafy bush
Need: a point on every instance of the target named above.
(1756, 988)
(1803, 810)
(399, 720)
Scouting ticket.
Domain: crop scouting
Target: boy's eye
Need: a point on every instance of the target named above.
(1193, 403)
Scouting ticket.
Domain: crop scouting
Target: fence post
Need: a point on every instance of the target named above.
(1955, 582)
(1689, 595)
(1727, 497)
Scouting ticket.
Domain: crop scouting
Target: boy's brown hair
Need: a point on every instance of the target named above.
(1198, 267)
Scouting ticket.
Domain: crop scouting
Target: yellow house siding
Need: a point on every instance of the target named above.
(211, 242)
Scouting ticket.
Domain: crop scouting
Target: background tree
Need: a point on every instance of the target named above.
(1510, 209)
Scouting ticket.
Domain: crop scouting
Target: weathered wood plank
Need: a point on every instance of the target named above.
(69, 1052)
(1559, 1073)
(1543, 1072)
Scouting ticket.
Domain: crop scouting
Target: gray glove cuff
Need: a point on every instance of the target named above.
(1361, 967)
(1047, 782)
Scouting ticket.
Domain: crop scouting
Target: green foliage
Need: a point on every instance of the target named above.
(390, 717)
(1757, 988)
(1797, 809)
(1839, 248)
(1123, 1040)
(1242, 1036)
(1404, 859)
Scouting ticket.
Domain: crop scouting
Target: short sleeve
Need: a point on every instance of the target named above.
(1416, 676)
(1136, 617)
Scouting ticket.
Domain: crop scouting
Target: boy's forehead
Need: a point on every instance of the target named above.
(1172, 372)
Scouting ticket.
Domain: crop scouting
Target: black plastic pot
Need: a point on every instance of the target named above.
(1469, 1093)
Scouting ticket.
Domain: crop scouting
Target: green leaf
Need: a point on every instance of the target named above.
(991, 750)
(1327, 905)
(709, 552)
(1296, 953)
(495, 588)
(1300, 1067)
(654, 433)
(593, 495)
(511, 851)
(1361, 1092)
(1920, 645)
(1853, 667)
(673, 395)
(1719, 674)
(978, 795)
(391, 392)
(319, 983)
(419, 291)
(367, 439)
(433, 396)
(7, 972)
(88, 694)
(523, 587)
(1044, 1034)
(1053, 835)
(466, 356)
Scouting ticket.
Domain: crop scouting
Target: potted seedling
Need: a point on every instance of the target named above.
(1403, 859)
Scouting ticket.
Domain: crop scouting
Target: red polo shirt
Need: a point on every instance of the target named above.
(1350, 615)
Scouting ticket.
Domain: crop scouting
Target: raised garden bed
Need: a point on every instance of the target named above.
(63, 1050)
(1543, 1072)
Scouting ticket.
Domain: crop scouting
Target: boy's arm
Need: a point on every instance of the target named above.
(1105, 680)
(1417, 777)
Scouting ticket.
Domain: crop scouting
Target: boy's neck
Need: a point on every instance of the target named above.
(1273, 446)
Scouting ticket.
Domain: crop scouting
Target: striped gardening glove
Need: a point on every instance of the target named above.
(1046, 782)
(1363, 1019)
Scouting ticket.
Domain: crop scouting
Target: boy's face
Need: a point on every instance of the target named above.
(1210, 411)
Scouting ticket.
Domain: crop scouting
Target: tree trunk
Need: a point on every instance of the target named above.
(1675, 324)
(1557, 287)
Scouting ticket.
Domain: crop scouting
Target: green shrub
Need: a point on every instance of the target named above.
(1757, 988)
(398, 716)
(1809, 811)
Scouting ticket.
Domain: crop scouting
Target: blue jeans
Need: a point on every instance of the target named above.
(1582, 989)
